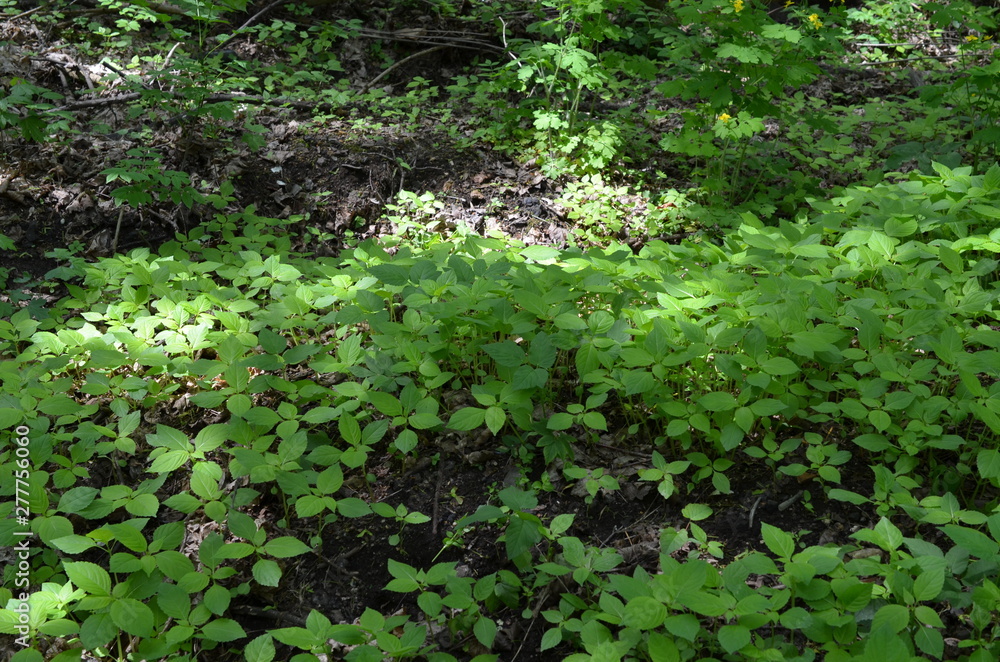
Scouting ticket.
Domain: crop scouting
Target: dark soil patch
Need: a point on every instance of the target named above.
(349, 573)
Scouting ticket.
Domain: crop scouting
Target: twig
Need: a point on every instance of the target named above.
(114, 242)
(534, 616)
(435, 513)
(787, 503)
(884, 45)
(253, 19)
(754, 510)
(399, 64)
(432, 39)
(212, 98)
(909, 59)
(24, 13)
(618, 449)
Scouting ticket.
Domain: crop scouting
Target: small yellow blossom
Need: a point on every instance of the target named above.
(789, 3)
(738, 5)
(725, 117)
(815, 22)
(972, 37)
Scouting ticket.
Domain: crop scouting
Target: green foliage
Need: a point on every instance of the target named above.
(870, 317)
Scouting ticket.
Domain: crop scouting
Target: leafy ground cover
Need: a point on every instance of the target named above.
(418, 383)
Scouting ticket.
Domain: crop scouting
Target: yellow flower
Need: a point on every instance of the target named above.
(815, 22)
(789, 3)
(738, 5)
(725, 117)
(972, 37)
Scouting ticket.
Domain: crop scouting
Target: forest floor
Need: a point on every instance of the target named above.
(338, 177)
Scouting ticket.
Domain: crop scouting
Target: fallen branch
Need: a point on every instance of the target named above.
(399, 64)
(212, 98)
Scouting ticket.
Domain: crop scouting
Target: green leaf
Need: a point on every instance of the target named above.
(205, 477)
(169, 461)
(988, 463)
(173, 564)
(430, 603)
(507, 353)
(721, 482)
(696, 511)
(873, 442)
(779, 542)
(223, 629)
(88, 576)
(495, 419)
(515, 499)
(216, 599)
(644, 613)
(285, 547)
(890, 534)
(33, 655)
(701, 602)
(928, 616)
(76, 499)
(975, 542)
(386, 403)
(353, 507)
(595, 420)
(560, 421)
(718, 401)
(349, 428)
(300, 637)
(271, 342)
(260, 649)
(174, 601)
(143, 505)
(551, 639)
(779, 365)
(10, 417)
(638, 381)
(520, 536)
(852, 593)
(885, 645)
(782, 32)
(893, 617)
(930, 642)
(406, 441)
(540, 253)
(767, 407)
(267, 572)
(733, 637)
(407, 579)
(132, 617)
(879, 419)
(424, 421)
(485, 630)
(928, 584)
(844, 495)
(467, 418)
(569, 322)
(73, 544)
(97, 630)
(129, 536)
(744, 54)
(263, 417)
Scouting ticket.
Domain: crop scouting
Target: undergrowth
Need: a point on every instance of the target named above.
(793, 320)
(876, 315)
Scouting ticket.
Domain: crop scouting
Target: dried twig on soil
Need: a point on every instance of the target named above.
(382, 75)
